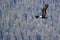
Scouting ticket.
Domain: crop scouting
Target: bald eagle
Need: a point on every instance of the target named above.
(43, 11)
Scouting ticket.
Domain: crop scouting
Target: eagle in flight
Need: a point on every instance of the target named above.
(43, 11)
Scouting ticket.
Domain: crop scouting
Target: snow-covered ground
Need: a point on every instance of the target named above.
(18, 22)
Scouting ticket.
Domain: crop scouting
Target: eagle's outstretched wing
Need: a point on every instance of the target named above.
(44, 11)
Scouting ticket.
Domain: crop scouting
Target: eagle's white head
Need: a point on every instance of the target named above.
(40, 16)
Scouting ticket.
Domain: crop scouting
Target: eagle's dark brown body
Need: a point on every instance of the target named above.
(44, 11)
